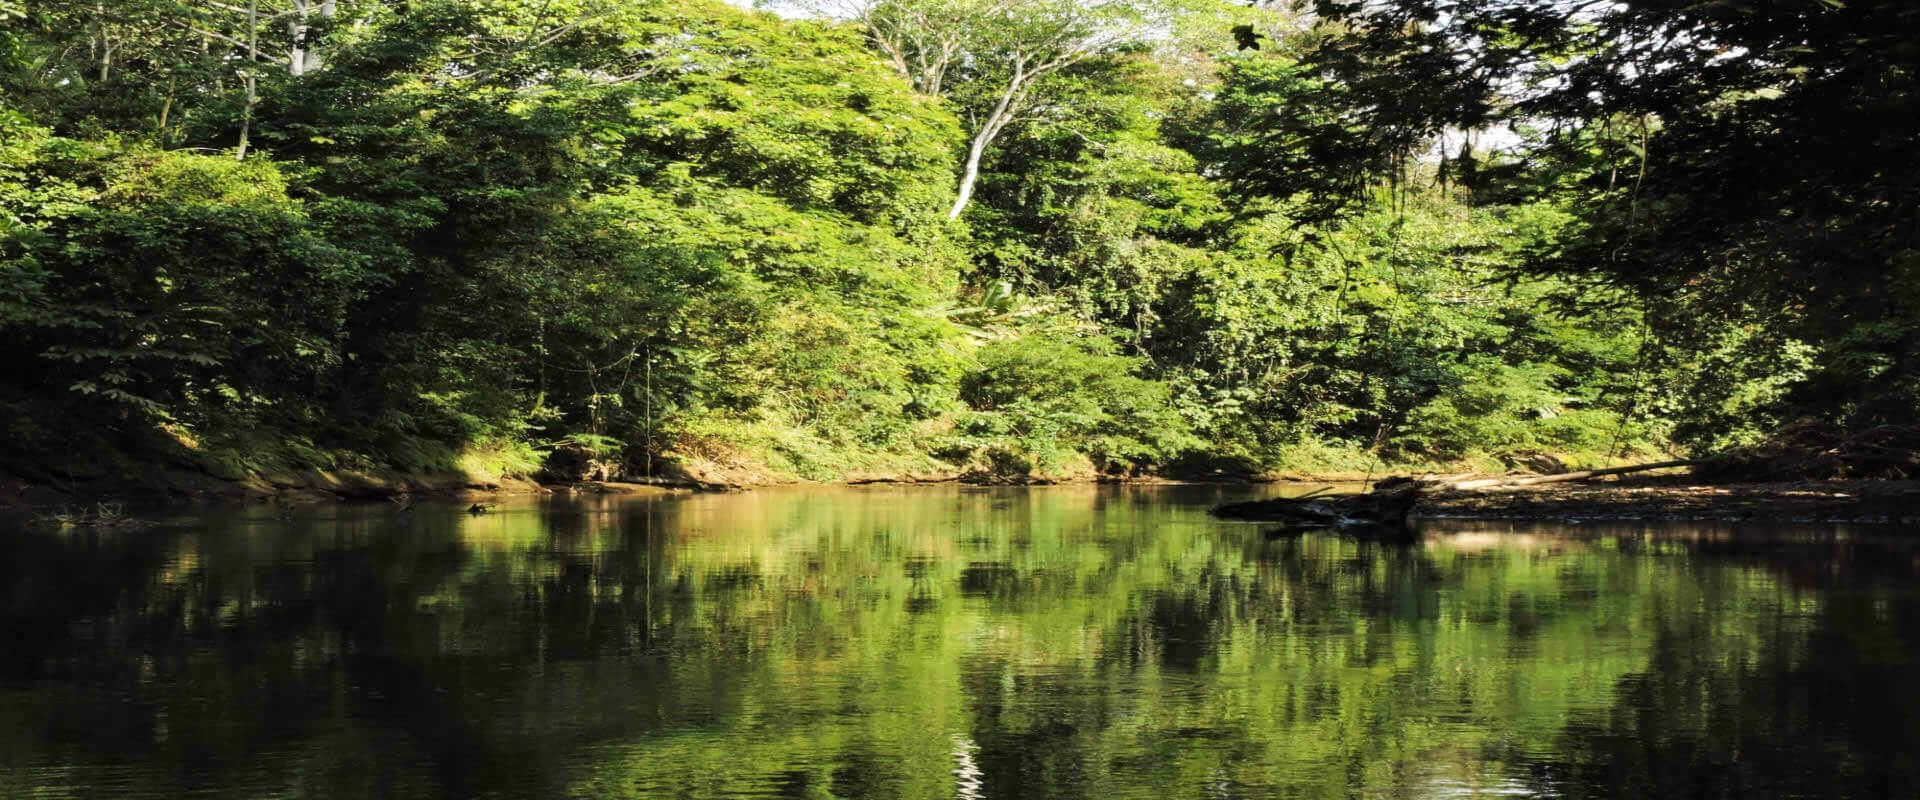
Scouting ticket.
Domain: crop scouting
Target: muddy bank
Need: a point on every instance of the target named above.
(179, 486)
(1652, 497)
(1685, 498)
(173, 487)
(165, 487)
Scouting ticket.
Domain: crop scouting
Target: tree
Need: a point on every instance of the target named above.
(1000, 51)
(612, 228)
(1734, 164)
(478, 221)
(240, 25)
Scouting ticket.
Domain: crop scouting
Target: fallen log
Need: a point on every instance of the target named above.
(1488, 483)
(1382, 510)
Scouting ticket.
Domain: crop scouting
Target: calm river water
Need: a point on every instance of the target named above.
(950, 643)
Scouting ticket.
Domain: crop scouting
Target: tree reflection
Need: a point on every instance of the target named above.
(1066, 643)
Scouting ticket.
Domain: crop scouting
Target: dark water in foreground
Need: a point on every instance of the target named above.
(950, 643)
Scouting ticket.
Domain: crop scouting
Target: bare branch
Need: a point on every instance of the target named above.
(220, 36)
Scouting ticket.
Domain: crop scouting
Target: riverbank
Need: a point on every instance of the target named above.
(186, 487)
(1683, 497)
(174, 478)
(252, 464)
(179, 486)
(1656, 497)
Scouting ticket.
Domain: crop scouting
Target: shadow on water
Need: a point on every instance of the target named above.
(907, 643)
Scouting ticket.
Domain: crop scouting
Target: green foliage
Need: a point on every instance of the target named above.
(1736, 385)
(1041, 400)
(1284, 334)
(139, 279)
(1278, 128)
(1736, 187)
(1496, 407)
(614, 236)
(539, 250)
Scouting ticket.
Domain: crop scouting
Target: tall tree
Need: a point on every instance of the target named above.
(292, 27)
(991, 57)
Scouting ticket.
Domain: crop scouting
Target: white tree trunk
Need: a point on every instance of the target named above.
(106, 42)
(253, 52)
(990, 128)
(302, 59)
(968, 176)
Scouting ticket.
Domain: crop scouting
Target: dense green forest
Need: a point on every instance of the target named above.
(1007, 238)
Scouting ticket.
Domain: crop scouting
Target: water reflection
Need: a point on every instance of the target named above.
(939, 643)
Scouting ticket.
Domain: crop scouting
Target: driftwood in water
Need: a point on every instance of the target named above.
(1383, 509)
(1533, 480)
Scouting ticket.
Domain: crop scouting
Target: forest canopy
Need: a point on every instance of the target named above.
(1013, 239)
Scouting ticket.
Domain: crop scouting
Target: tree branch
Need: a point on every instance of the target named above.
(221, 36)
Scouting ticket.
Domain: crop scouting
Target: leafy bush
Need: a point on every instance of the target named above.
(1040, 399)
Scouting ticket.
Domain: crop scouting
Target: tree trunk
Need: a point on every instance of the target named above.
(160, 131)
(106, 43)
(996, 120)
(253, 52)
(246, 123)
(297, 34)
(969, 175)
(1570, 476)
(303, 59)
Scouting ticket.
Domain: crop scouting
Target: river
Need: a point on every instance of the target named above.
(1073, 642)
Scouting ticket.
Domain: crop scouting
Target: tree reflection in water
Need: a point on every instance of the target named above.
(950, 642)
